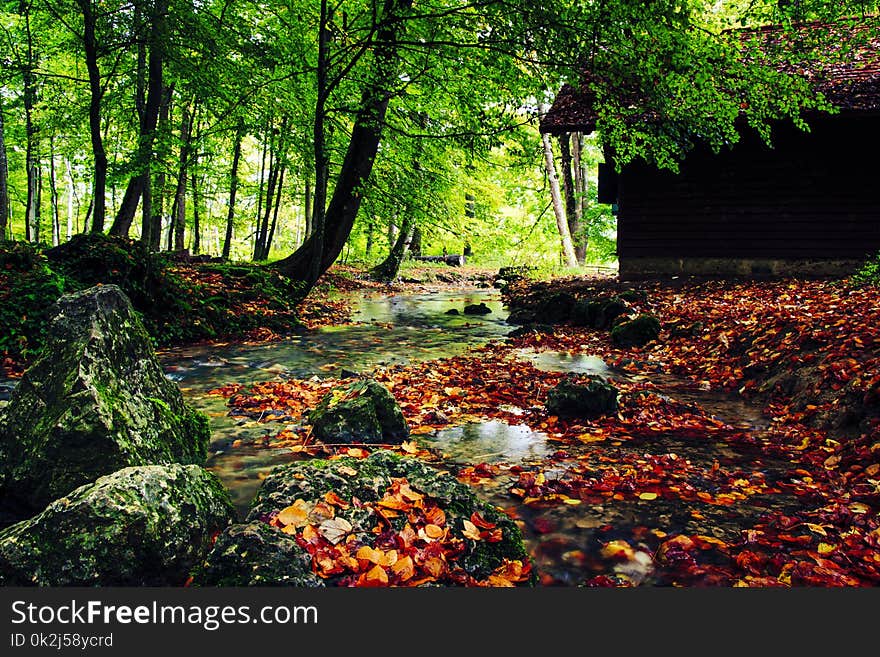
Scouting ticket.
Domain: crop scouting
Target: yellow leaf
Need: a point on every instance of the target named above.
(297, 514)
(470, 530)
(540, 479)
(873, 469)
(410, 447)
(826, 548)
(647, 496)
(367, 553)
(818, 529)
(858, 507)
(347, 471)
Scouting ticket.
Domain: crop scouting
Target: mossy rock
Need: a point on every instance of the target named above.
(95, 401)
(140, 526)
(636, 332)
(362, 411)
(589, 399)
(251, 554)
(556, 308)
(255, 554)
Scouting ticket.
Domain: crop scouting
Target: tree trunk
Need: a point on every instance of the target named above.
(333, 225)
(53, 195)
(271, 235)
(257, 222)
(71, 191)
(178, 212)
(575, 228)
(388, 269)
(148, 117)
(415, 245)
(4, 180)
(197, 237)
(99, 185)
(558, 209)
(308, 206)
(233, 190)
(153, 239)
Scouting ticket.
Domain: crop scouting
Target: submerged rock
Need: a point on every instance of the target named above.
(333, 507)
(95, 401)
(359, 412)
(636, 332)
(571, 399)
(140, 526)
(477, 309)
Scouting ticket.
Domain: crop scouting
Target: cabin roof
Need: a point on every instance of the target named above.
(850, 82)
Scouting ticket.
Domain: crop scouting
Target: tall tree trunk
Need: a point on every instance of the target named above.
(388, 269)
(178, 212)
(32, 162)
(308, 206)
(333, 225)
(572, 214)
(267, 137)
(153, 239)
(4, 180)
(99, 186)
(148, 117)
(580, 236)
(277, 206)
(371, 228)
(53, 194)
(71, 192)
(415, 245)
(558, 209)
(233, 190)
(197, 229)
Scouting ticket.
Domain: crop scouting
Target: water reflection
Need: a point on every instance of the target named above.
(491, 441)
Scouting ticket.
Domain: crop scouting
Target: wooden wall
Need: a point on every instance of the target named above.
(813, 196)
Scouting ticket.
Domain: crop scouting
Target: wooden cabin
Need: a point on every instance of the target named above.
(810, 206)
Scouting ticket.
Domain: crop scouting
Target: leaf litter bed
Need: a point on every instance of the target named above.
(666, 492)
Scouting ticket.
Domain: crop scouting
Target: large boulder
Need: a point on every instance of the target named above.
(384, 520)
(589, 399)
(140, 526)
(96, 400)
(362, 411)
(636, 332)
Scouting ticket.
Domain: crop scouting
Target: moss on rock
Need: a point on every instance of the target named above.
(362, 411)
(140, 526)
(636, 332)
(95, 401)
(572, 399)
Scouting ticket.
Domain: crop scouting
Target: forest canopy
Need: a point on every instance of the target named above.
(299, 132)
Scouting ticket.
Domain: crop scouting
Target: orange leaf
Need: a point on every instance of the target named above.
(480, 521)
(335, 500)
(435, 516)
(433, 531)
(404, 568)
(435, 567)
(376, 576)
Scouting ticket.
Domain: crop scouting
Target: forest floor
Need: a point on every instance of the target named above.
(806, 352)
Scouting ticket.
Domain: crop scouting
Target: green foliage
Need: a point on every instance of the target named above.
(28, 290)
(177, 302)
(868, 273)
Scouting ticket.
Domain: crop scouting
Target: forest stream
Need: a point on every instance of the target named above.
(410, 327)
